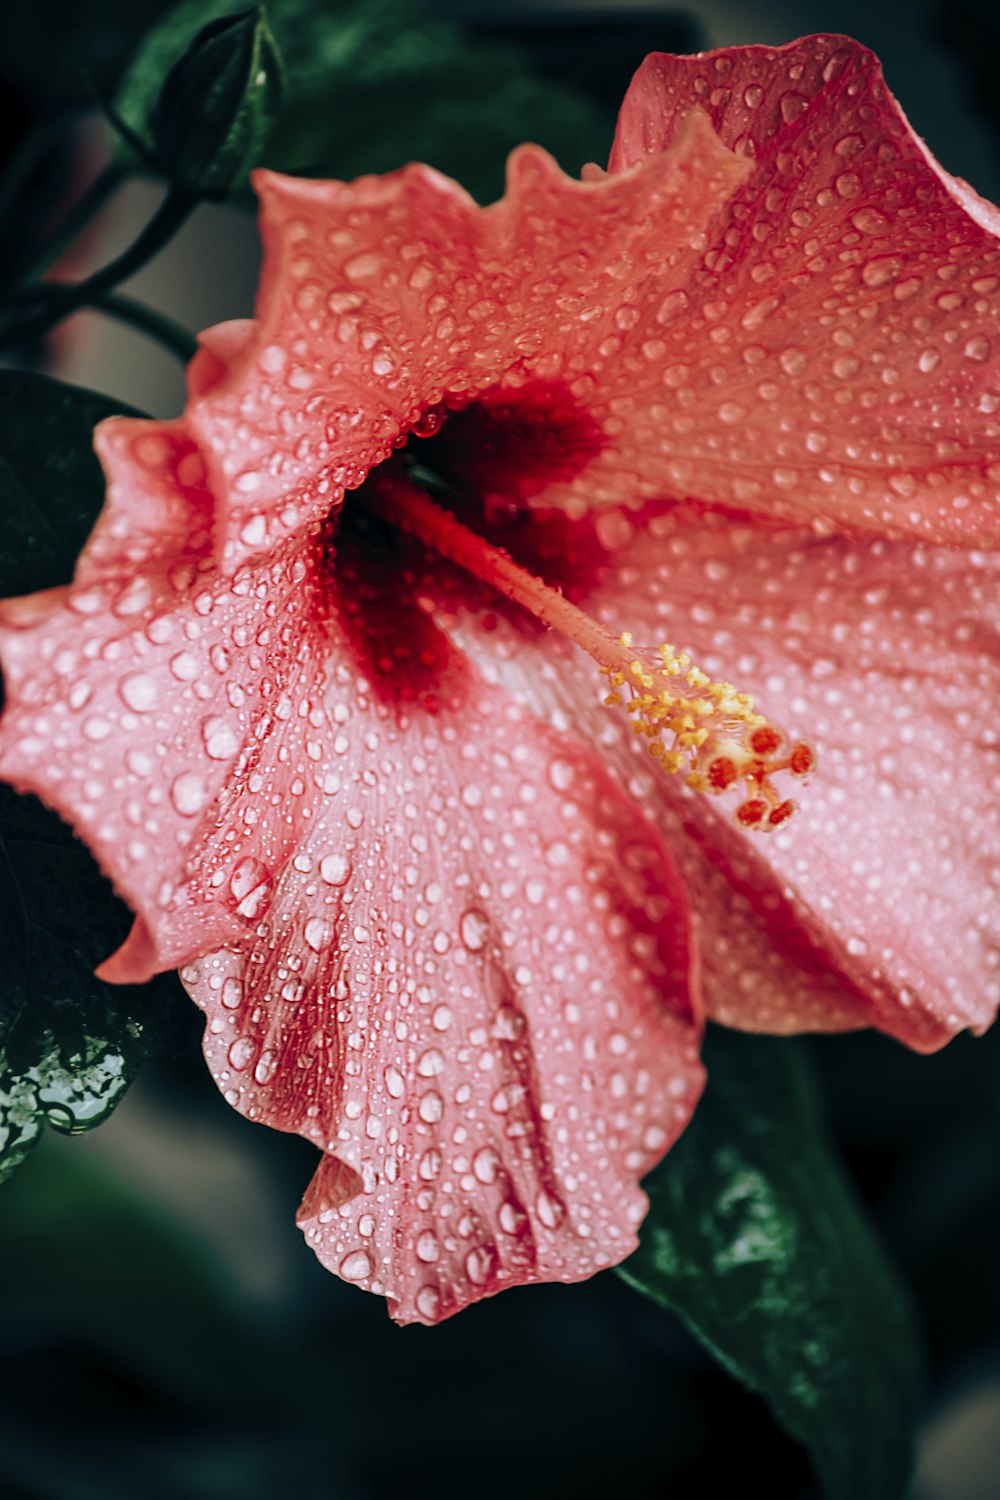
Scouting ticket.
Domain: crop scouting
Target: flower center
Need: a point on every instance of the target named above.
(706, 730)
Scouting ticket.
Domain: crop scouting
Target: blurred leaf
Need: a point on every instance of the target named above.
(756, 1240)
(135, 1284)
(218, 105)
(69, 1044)
(373, 84)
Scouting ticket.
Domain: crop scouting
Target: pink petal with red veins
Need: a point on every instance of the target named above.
(876, 905)
(446, 947)
(835, 355)
(382, 299)
(472, 990)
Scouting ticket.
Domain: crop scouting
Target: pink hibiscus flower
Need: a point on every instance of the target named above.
(317, 702)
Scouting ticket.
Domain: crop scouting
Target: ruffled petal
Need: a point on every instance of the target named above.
(384, 298)
(441, 943)
(876, 905)
(834, 358)
(148, 704)
(472, 989)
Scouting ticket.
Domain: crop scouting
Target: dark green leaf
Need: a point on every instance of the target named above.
(372, 84)
(218, 105)
(51, 485)
(69, 1044)
(755, 1238)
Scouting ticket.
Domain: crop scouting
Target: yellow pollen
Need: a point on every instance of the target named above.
(707, 730)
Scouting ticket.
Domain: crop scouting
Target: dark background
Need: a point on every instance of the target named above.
(164, 1332)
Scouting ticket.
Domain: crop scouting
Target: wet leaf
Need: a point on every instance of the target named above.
(372, 84)
(755, 1238)
(69, 1044)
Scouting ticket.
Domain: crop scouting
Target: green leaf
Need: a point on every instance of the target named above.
(372, 84)
(218, 105)
(69, 1044)
(756, 1239)
(51, 484)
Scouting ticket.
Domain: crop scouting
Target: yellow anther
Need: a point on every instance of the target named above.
(707, 730)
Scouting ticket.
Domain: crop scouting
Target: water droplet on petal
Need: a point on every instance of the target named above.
(486, 1165)
(138, 691)
(395, 1083)
(474, 929)
(428, 1247)
(431, 1107)
(187, 793)
(219, 737)
(250, 885)
(335, 869)
(550, 1210)
(356, 1265)
(428, 1303)
(479, 1264)
(318, 934)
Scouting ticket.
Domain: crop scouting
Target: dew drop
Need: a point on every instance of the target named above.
(395, 1083)
(878, 272)
(265, 1069)
(428, 1303)
(250, 885)
(356, 1265)
(431, 1107)
(792, 105)
(187, 793)
(479, 1264)
(474, 929)
(138, 691)
(241, 1053)
(361, 267)
(232, 993)
(318, 934)
(335, 869)
(428, 1247)
(550, 1210)
(429, 1165)
(219, 738)
(486, 1165)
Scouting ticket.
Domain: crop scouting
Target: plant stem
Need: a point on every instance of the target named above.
(58, 300)
(157, 325)
(23, 161)
(79, 216)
